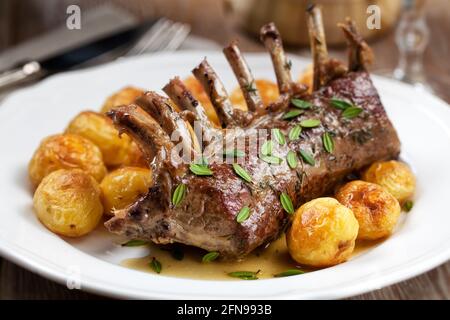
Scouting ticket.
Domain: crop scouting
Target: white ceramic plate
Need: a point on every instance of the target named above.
(421, 242)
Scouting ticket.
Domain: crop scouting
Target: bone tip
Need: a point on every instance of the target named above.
(269, 30)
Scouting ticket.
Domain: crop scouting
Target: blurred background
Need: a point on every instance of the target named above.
(409, 28)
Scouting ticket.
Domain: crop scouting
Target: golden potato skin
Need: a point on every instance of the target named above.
(376, 210)
(393, 175)
(322, 234)
(267, 89)
(100, 130)
(66, 151)
(123, 186)
(126, 95)
(68, 202)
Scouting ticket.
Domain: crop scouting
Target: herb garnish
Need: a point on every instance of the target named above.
(200, 169)
(351, 112)
(340, 104)
(250, 87)
(279, 136)
(408, 205)
(243, 214)
(301, 104)
(310, 123)
(178, 194)
(241, 172)
(134, 243)
(267, 148)
(294, 133)
(292, 114)
(292, 159)
(328, 142)
(271, 159)
(288, 273)
(286, 202)
(155, 265)
(244, 275)
(210, 256)
(307, 157)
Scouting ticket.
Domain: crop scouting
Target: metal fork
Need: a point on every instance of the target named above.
(164, 35)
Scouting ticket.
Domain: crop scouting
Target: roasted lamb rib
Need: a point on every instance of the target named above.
(206, 217)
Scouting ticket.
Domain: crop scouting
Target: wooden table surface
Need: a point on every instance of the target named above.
(21, 20)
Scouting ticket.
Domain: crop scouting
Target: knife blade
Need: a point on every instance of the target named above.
(70, 58)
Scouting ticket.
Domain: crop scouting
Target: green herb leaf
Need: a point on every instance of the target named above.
(210, 256)
(289, 64)
(328, 142)
(351, 112)
(288, 273)
(233, 153)
(200, 169)
(271, 159)
(340, 104)
(243, 214)
(241, 172)
(294, 133)
(408, 205)
(292, 159)
(250, 87)
(301, 104)
(155, 265)
(292, 114)
(178, 194)
(244, 275)
(135, 243)
(310, 123)
(307, 157)
(267, 148)
(279, 136)
(286, 202)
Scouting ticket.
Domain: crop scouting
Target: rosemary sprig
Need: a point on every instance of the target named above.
(288, 273)
(200, 169)
(244, 275)
(328, 142)
(291, 159)
(279, 136)
(307, 157)
(294, 133)
(291, 114)
(301, 104)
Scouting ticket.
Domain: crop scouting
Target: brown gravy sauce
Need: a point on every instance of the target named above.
(269, 261)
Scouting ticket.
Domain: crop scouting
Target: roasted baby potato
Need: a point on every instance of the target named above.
(66, 151)
(126, 95)
(322, 233)
(100, 130)
(267, 89)
(376, 210)
(68, 202)
(395, 176)
(123, 186)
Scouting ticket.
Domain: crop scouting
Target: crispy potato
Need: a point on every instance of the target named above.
(376, 210)
(267, 89)
(123, 186)
(66, 151)
(116, 150)
(307, 77)
(395, 176)
(68, 202)
(126, 95)
(322, 234)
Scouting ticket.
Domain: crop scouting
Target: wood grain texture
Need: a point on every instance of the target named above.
(21, 20)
